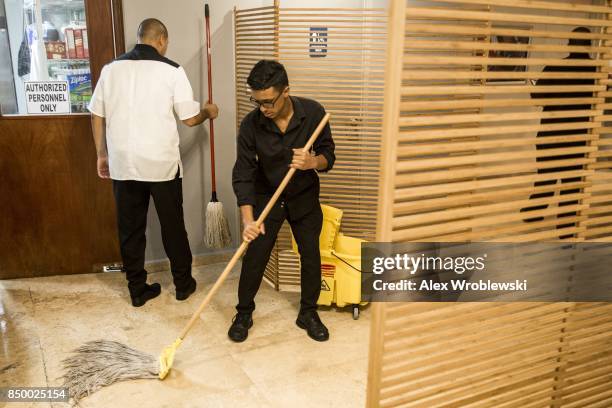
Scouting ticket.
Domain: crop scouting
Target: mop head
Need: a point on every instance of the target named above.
(99, 363)
(166, 359)
(217, 233)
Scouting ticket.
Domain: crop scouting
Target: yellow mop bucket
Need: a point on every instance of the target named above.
(328, 282)
(347, 259)
(331, 225)
(340, 263)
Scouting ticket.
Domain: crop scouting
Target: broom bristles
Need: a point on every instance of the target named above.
(99, 363)
(217, 234)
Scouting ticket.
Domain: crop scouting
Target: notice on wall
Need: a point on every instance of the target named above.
(318, 42)
(47, 97)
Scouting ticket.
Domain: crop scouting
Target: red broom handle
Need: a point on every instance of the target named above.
(210, 100)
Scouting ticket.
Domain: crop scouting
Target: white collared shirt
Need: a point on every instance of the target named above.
(137, 94)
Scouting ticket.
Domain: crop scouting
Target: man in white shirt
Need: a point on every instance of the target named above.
(137, 143)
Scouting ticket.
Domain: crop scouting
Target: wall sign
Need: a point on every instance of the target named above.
(318, 42)
(47, 97)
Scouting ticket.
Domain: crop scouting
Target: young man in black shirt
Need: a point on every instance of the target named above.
(270, 141)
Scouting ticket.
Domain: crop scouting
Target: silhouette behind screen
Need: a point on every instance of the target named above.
(556, 108)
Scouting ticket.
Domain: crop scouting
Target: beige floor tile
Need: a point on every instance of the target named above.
(43, 319)
(21, 353)
(338, 386)
(298, 356)
(32, 405)
(197, 378)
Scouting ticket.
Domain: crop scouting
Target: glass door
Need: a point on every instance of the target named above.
(49, 51)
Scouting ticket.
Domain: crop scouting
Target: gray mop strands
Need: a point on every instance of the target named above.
(217, 233)
(99, 363)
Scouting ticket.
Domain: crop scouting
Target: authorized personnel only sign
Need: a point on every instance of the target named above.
(49, 97)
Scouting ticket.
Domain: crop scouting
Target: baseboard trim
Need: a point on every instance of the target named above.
(161, 265)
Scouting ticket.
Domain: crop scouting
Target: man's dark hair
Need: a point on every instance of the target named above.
(266, 74)
(581, 42)
(151, 29)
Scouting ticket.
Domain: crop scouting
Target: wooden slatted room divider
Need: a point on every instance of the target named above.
(337, 57)
(255, 38)
(468, 106)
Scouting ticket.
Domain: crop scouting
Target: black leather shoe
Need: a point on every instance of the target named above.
(239, 330)
(184, 294)
(311, 322)
(150, 292)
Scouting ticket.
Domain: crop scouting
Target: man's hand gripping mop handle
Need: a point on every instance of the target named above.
(258, 223)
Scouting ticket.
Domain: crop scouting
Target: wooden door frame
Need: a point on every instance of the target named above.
(105, 19)
(60, 215)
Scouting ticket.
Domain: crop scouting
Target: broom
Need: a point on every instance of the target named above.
(217, 234)
(100, 363)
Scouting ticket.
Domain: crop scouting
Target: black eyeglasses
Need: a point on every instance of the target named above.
(266, 104)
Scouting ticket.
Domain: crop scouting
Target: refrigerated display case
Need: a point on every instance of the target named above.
(50, 43)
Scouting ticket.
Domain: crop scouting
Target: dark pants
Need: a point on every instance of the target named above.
(132, 200)
(551, 193)
(556, 170)
(306, 231)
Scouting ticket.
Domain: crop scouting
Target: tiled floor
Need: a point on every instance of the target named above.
(42, 319)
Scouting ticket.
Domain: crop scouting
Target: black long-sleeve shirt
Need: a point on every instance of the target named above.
(568, 68)
(264, 154)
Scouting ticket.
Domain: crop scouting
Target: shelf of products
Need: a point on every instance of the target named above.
(55, 33)
(77, 73)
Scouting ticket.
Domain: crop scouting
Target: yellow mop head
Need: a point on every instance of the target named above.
(167, 358)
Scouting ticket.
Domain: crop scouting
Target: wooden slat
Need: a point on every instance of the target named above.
(481, 45)
(456, 14)
(487, 31)
(541, 5)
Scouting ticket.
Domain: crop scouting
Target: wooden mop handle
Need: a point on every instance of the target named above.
(245, 244)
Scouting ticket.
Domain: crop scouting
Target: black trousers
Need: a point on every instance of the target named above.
(306, 231)
(132, 200)
(566, 191)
